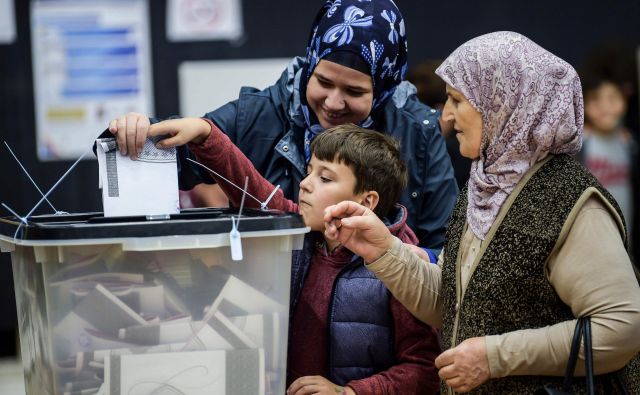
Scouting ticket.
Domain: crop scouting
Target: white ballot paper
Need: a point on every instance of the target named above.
(232, 372)
(146, 186)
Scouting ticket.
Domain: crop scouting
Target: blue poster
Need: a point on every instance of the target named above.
(91, 63)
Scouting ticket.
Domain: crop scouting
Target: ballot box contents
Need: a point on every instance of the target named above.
(128, 305)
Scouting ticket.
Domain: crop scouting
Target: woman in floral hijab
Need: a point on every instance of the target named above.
(530, 103)
(352, 72)
(534, 240)
(365, 36)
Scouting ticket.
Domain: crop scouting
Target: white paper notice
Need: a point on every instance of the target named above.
(7, 22)
(201, 20)
(146, 186)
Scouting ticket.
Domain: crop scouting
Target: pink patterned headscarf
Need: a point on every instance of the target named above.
(531, 106)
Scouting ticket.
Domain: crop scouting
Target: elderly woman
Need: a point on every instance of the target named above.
(534, 240)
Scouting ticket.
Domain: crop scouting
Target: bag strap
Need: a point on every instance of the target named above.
(573, 356)
(588, 354)
(582, 331)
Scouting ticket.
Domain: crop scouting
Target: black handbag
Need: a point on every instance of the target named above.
(609, 381)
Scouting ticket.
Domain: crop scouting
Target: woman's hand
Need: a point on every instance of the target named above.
(357, 228)
(465, 366)
(317, 385)
(132, 130)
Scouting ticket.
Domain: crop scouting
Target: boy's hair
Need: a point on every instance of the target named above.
(591, 80)
(373, 157)
(614, 63)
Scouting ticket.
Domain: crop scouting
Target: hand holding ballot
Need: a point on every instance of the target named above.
(181, 131)
(133, 129)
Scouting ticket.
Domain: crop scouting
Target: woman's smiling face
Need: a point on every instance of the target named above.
(338, 94)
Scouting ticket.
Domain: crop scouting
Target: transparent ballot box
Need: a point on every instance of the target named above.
(141, 305)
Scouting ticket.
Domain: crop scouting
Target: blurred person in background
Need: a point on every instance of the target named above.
(610, 149)
(620, 63)
(432, 92)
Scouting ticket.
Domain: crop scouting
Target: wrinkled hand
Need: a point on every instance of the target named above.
(132, 130)
(317, 385)
(357, 228)
(465, 366)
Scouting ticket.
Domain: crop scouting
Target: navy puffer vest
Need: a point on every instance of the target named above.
(360, 326)
(360, 322)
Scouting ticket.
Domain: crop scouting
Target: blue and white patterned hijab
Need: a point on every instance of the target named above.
(371, 29)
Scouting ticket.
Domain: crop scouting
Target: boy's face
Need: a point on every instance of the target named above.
(604, 107)
(326, 183)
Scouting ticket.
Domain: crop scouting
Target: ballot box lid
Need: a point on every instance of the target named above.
(200, 221)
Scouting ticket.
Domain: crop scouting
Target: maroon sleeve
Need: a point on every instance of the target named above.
(219, 154)
(416, 345)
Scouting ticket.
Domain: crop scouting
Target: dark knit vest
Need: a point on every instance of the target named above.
(360, 324)
(509, 290)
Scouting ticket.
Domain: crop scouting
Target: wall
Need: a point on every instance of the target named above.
(279, 28)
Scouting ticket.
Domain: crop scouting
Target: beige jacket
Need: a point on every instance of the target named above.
(589, 269)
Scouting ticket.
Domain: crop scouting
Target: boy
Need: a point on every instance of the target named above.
(348, 334)
(609, 150)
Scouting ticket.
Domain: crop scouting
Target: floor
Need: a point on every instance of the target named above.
(11, 377)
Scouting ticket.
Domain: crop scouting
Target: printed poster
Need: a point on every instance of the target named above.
(7, 22)
(91, 63)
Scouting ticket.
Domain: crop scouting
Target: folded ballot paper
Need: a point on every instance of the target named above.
(145, 186)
